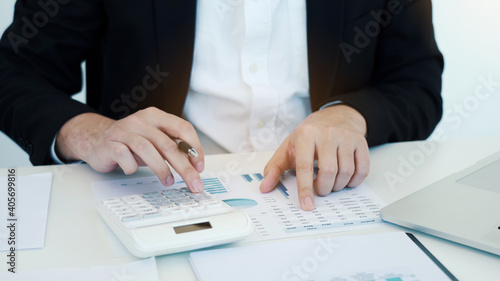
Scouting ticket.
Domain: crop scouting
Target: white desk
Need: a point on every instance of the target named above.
(76, 235)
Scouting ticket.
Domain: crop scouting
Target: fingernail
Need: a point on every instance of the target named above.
(200, 167)
(170, 180)
(197, 185)
(307, 204)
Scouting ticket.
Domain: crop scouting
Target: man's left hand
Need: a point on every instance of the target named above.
(335, 136)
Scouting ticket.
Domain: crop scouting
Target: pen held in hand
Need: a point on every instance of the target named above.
(186, 148)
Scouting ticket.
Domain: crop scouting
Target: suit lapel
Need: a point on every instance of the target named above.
(325, 20)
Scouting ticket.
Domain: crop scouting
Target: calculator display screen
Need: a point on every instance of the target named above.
(192, 227)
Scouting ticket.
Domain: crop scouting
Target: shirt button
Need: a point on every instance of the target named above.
(253, 68)
(261, 124)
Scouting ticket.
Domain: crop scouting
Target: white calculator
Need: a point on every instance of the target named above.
(173, 220)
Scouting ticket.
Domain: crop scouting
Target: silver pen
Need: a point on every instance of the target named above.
(186, 148)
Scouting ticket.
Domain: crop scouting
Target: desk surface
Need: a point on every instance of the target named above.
(76, 236)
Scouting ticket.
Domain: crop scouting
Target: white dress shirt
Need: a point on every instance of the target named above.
(249, 83)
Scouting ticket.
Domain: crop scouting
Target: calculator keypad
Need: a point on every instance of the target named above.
(163, 206)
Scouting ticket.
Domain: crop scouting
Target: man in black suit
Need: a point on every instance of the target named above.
(374, 70)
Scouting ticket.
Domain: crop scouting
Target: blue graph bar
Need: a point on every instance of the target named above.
(259, 176)
(212, 185)
(247, 177)
(282, 189)
(211, 181)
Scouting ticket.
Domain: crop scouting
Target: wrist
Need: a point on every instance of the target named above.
(78, 135)
(349, 116)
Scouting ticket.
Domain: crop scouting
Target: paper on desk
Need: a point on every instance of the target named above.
(382, 256)
(143, 270)
(32, 203)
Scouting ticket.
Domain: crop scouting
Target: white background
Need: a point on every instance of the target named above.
(468, 34)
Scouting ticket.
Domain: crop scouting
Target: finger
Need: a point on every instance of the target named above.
(180, 162)
(158, 129)
(187, 172)
(362, 162)
(304, 166)
(327, 169)
(276, 166)
(167, 149)
(121, 154)
(345, 160)
(148, 154)
(140, 162)
(165, 145)
(176, 127)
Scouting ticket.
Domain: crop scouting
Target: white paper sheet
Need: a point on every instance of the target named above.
(144, 270)
(32, 203)
(278, 214)
(383, 256)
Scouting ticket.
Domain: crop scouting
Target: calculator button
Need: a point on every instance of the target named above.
(111, 200)
(188, 204)
(132, 198)
(150, 194)
(184, 189)
(146, 210)
(143, 209)
(198, 207)
(170, 192)
(130, 218)
(196, 195)
(142, 205)
(199, 196)
(122, 210)
(175, 196)
(184, 201)
(118, 205)
(158, 200)
(162, 204)
(158, 196)
(151, 215)
(169, 208)
(138, 204)
(201, 199)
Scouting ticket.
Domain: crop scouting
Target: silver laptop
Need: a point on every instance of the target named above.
(463, 207)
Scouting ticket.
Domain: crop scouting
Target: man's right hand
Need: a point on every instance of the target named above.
(143, 138)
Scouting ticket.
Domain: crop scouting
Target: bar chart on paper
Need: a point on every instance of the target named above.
(278, 214)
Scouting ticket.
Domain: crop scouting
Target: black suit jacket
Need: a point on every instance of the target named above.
(378, 56)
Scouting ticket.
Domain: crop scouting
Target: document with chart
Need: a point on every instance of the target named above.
(276, 214)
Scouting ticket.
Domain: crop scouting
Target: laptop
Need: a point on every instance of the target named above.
(463, 207)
